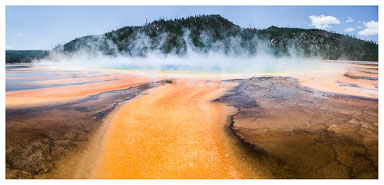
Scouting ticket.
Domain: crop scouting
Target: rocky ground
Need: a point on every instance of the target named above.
(37, 137)
(309, 133)
(283, 126)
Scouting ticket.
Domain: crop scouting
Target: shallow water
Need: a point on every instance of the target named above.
(280, 130)
(21, 77)
(235, 66)
(38, 138)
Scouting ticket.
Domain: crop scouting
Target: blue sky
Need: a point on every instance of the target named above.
(42, 27)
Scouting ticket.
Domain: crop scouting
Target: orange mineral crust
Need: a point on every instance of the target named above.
(313, 134)
(36, 97)
(173, 132)
(349, 79)
(320, 122)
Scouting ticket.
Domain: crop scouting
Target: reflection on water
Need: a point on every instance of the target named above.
(21, 86)
(25, 76)
(11, 67)
(21, 77)
(223, 67)
(283, 129)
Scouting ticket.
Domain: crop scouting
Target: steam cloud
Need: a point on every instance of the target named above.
(228, 57)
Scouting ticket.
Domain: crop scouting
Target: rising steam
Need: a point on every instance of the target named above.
(225, 56)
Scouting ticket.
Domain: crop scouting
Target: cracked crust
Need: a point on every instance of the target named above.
(37, 137)
(312, 133)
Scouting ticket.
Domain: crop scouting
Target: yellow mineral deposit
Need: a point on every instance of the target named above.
(173, 132)
(52, 95)
(176, 130)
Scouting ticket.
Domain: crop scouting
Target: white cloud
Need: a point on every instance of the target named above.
(349, 29)
(360, 27)
(8, 47)
(349, 20)
(18, 35)
(371, 28)
(322, 21)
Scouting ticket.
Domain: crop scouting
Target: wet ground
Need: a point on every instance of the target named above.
(313, 134)
(34, 87)
(37, 137)
(176, 131)
(27, 76)
(76, 124)
(342, 78)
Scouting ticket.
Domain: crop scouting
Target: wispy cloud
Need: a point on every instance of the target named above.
(349, 20)
(349, 29)
(322, 21)
(371, 28)
(8, 47)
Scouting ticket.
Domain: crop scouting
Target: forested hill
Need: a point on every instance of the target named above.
(213, 33)
(24, 56)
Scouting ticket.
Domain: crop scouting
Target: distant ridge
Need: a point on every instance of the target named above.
(24, 56)
(207, 33)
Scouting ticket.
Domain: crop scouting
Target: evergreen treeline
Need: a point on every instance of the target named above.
(24, 56)
(207, 33)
